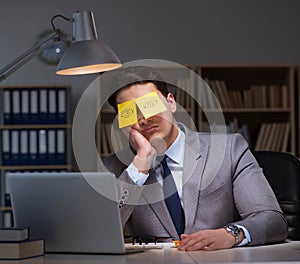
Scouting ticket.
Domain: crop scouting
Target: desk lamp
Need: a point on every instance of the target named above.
(86, 55)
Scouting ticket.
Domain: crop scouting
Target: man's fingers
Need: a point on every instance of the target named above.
(193, 242)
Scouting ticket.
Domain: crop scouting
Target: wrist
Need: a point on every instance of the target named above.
(142, 164)
(236, 232)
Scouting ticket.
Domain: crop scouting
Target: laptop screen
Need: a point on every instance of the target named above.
(67, 212)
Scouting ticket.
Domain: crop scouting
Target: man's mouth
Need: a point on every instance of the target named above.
(149, 130)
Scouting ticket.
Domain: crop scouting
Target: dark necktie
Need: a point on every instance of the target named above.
(172, 198)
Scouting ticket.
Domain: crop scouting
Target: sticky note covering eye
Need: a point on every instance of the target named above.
(127, 113)
(149, 104)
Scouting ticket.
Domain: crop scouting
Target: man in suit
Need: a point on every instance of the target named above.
(223, 202)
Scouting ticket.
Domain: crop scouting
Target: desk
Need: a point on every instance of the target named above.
(286, 252)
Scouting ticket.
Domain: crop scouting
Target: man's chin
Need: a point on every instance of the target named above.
(158, 143)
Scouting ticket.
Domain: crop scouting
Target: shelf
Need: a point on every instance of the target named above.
(252, 97)
(36, 167)
(249, 110)
(39, 126)
(5, 209)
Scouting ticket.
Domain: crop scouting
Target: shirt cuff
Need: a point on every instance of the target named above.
(247, 238)
(137, 177)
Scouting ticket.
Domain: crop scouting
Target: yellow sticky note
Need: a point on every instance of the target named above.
(150, 104)
(127, 114)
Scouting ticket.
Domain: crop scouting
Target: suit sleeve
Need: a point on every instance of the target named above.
(254, 199)
(129, 194)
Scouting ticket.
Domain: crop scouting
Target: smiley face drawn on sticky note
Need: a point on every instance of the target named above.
(149, 105)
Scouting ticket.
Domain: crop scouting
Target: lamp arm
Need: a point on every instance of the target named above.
(29, 54)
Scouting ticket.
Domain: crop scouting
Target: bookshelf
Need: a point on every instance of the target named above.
(257, 101)
(34, 131)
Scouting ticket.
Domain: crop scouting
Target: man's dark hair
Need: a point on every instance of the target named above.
(126, 77)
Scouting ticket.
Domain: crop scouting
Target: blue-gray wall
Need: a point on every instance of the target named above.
(190, 31)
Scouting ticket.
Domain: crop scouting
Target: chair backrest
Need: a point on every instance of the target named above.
(282, 171)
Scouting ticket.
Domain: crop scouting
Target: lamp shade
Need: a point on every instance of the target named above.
(87, 54)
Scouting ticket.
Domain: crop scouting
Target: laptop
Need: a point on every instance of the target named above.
(67, 212)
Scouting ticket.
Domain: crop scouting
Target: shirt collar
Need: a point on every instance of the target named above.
(176, 150)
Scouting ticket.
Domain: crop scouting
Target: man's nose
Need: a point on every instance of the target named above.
(141, 119)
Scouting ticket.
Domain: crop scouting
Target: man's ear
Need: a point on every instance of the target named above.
(172, 102)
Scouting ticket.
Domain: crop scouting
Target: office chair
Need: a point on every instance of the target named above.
(282, 171)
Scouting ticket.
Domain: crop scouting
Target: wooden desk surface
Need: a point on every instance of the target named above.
(286, 252)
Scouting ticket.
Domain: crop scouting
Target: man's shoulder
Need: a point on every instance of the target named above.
(118, 161)
(195, 138)
(208, 136)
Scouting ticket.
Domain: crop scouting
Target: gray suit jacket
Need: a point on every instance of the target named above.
(223, 184)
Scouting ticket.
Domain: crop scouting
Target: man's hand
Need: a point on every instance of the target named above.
(145, 151)
(207, 240)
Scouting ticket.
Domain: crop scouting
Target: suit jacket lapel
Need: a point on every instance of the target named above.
(195, 155)
(154, 197)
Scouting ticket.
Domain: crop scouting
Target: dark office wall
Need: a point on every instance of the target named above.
(192, 31)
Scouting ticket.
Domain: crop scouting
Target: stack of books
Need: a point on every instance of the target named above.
(15, 243)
